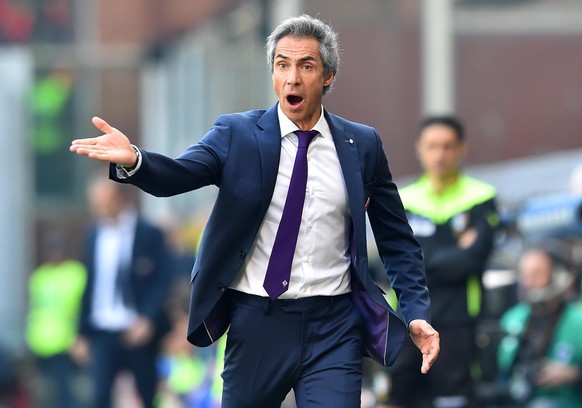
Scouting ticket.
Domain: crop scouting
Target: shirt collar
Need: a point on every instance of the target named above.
(287, 126)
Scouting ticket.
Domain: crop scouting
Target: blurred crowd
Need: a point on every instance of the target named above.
(90, 321)
(526, 348)
(109, 324)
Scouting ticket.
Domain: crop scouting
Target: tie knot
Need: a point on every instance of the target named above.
(305, 137)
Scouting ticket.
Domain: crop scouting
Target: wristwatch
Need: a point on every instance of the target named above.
(137, 157)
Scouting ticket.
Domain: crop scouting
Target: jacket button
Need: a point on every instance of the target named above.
(242, 254)
(221, 289)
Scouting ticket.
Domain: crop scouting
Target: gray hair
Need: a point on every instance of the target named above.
(306, 26)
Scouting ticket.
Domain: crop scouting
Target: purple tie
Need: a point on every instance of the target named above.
(279, 268)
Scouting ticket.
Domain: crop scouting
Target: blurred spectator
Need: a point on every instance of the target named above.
(123, 317)
(190, 376)
(454, 218)
(51, 100)
(182, 249)
(55, 289)
(51, 103)
(540, 356)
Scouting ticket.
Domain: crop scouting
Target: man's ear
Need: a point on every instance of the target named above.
(329, 79)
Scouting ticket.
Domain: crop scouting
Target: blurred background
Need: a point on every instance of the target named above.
(163, 70)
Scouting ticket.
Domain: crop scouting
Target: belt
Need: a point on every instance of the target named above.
(291, 305)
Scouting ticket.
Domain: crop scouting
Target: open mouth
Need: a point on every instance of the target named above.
(294, 100)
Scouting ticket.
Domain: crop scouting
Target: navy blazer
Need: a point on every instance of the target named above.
(147, 280)
(240, 154)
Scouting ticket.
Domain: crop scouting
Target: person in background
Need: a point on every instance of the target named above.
(283, 262)
(454, 218)
(190, 376)
(540, 355)
(55, 289)
(123, 317)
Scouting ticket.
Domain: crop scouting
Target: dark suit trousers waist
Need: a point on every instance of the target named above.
(291, 305)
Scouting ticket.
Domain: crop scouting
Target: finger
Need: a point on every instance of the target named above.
(430, 353)
(87, 148)
(426, 364)
(92, 153)
(428, 360)
(89, 141)
(101, 125)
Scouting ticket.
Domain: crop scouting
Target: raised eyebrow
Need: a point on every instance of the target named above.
(307, 58)
(281, 56)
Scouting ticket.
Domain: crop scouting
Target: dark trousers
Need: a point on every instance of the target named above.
(109, 356)
(311, 345)
(60, 371)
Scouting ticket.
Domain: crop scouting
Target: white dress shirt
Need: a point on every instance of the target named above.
(113, 249)
(321, 261)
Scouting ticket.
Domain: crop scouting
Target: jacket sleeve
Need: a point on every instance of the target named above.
(398, 248)
(198, 166)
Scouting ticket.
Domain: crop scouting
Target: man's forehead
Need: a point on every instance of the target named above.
(297, 46)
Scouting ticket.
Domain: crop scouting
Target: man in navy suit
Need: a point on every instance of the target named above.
(313, 336)
(123, 315)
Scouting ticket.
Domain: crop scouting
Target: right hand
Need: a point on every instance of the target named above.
(139, 333)
(467, 238)
(80, 351)
(113, 146)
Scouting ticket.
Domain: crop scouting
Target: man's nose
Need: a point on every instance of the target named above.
(294, 76)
